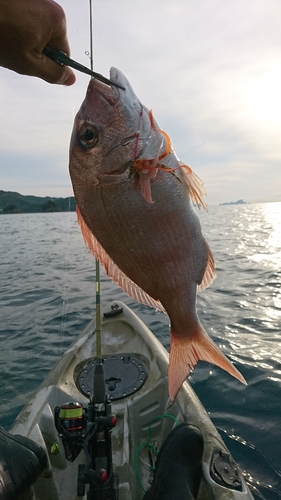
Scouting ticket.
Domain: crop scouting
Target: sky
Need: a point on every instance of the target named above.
(209, 69)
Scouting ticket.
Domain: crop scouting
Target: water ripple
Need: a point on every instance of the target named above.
(47, 297)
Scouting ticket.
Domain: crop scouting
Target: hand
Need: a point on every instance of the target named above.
(26, 26)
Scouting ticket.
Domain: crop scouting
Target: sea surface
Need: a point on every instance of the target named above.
(47, 296)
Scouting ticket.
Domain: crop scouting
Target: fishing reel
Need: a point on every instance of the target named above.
(88, 429)
(71, 423)
(76, 427)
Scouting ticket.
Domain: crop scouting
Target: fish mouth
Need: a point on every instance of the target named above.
(116, 76)
(109, 93)
(126, 103)
(111, 84)
(112, 93)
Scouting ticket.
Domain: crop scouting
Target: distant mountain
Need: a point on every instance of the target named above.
(238, 202)
(15, 203)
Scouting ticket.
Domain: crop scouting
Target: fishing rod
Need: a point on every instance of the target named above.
(89, 428)
(98, 448)
(98, 296)
(62, 58)
(99, 382)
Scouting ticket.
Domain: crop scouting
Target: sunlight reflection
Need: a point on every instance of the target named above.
(263, 237)
(274, 379)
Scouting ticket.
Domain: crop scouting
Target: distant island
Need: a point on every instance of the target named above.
(15, 203)
(238, 202)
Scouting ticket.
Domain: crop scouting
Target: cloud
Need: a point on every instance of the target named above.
(210, 71)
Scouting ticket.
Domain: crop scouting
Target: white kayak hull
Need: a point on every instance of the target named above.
(121, 334)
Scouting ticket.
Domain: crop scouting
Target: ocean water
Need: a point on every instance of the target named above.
(47, 297)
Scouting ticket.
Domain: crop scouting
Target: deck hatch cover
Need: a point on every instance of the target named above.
(224, 471)
(124, 374)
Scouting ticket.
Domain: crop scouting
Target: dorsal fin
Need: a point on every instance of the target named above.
(194, 184)
(112, 270)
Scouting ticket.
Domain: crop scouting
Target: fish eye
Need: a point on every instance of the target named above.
(88, 135)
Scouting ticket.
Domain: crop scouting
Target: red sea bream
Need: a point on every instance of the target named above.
(135, 208)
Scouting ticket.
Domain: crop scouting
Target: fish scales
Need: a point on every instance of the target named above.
(136, 230)
(135, 207)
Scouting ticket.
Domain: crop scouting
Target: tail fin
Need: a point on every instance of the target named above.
(186, 351)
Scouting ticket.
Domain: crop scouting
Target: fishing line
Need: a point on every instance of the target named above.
(65, 289)
(64, 292)
(254, 484)
(65, 295)
(91, 37)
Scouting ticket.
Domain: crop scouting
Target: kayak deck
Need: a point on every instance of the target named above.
(140, 401)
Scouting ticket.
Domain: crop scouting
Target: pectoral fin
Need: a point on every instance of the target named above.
(145, 186)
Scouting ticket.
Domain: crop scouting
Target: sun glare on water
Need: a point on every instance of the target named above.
(272, 221)
(262, 240)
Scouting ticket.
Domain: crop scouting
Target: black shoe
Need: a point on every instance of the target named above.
(178, 467)
(21, 462)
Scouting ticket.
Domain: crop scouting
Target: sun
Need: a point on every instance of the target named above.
(262, 95)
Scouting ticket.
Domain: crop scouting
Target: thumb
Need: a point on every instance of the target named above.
(52, 72)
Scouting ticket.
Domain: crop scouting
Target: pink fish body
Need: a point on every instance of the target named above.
(134, 199)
